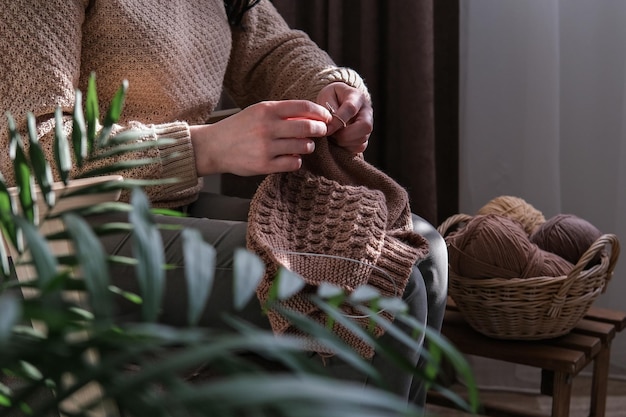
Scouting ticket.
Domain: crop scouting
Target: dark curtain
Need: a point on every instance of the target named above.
(407, 53)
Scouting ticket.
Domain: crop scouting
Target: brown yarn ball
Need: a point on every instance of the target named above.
(567, 235)
(494, 246)
(515, 208)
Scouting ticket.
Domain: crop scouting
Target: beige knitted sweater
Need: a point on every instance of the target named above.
(176, 54)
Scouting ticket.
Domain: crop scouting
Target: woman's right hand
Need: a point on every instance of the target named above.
(264, 138)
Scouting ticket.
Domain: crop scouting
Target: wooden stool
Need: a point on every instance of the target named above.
(560, 359)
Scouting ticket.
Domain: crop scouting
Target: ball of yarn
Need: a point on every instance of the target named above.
(494, 246)
(566, 235)
(515, 208)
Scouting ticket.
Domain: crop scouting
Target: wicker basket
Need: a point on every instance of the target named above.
(532, 308)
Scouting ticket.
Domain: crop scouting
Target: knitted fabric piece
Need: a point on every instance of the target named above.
(338, 220)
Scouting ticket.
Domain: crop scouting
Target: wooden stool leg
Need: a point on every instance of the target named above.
(547, 382)
(599, 382)
(562, 394)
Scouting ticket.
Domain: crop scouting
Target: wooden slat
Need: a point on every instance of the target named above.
(604, 331)
(531, 353)
(590, 345)
(615, 317)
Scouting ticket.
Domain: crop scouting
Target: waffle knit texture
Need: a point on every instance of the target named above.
(177, 55)
(338, 220)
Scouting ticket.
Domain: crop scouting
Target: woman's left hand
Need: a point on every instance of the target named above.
(353, 116)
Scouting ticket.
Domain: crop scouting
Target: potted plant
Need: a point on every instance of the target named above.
(61, 352)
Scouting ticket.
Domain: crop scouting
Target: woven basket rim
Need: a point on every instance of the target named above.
(600, 269)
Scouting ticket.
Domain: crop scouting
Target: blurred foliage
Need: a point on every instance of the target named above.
(62, 353)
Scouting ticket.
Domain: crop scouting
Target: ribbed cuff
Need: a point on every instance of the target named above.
(394, 267)
(177, 159)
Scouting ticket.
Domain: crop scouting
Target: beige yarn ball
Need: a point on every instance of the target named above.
(515, 208)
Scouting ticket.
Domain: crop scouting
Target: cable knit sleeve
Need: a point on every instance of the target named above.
(271, 61)
(41, 67)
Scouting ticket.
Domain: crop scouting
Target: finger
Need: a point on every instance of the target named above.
(293, 146)
(359, 148)
(301, 109)
(337, 121)
(285, 163)
(343, 113)
(359, 131)
(356, 147)
(301, 128)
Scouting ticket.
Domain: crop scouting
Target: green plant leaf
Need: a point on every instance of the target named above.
(92, 113)
(327, 290)
(10, 313)
(169, 212)
(5, 268)
(23, 178)
(44, 261)
(133, 298)
(362, 294)
(330, 340)
(62, 155)
(93, 263)
(127, 148)
(148, 249)
(452, 354)
(248, 273)
(117, 167)
(30, 371)
(334, 296)
(289, 283)
(9, 231)
(39, 163)
(127, 137)
(392, 305)
(113, 114)
(296, 395)
(201, 348)
(79, 130)
(199, 271)
(106, 208)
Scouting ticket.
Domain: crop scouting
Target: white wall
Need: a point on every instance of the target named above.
(543, 113)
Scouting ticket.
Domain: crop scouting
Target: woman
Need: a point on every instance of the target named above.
(178, 55)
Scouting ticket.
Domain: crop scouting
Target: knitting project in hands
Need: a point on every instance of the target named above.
(337, 204)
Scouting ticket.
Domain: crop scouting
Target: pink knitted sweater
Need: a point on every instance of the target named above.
(176, 54)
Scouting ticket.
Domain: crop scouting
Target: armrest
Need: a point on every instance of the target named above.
(78, 201)
(26, 272)
(218, 115)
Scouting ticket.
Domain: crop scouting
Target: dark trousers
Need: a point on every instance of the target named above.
(221, 221)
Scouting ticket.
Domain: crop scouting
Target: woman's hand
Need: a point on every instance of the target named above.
(353, 116)
(264, 138)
